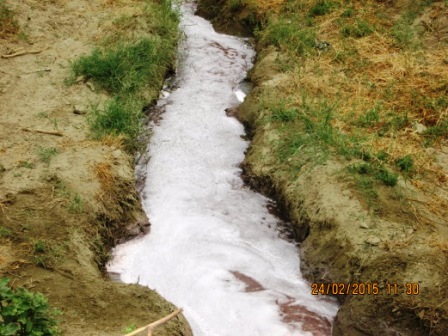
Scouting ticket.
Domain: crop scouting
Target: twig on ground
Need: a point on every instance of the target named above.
(153, 325)
(57, 133)
(25, 52)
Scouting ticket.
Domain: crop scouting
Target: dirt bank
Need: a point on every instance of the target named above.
(390, 231)
(65, 198)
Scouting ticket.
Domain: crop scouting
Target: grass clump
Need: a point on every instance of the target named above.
(321, 7)
(358, 29)
(45, 154)
(375, 171)
(370, 118)
(290, 35)
(127, 65)
(280, 112)
(120, 116)
(439, 130)
(46, 254)
(405, 163)
(24, 313)
(388, 178)
(8, 25)
(5, 232)
(124, 68)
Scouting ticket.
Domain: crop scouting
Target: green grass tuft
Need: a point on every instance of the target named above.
(290, 35)
(124, 68)
(359, 29)
(321, 7)
(405, 163)
(120, 116)
(45, 154)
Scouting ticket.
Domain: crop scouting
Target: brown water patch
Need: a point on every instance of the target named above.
(252, 285)
(291, 313)
(311, 322)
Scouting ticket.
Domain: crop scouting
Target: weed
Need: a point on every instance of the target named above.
(405, 163)
(25, 313)
(290, 35)
(370, 118)
(388, 178)
(403, 34)
(40, 246)
(75, 201)
(375, 170)
(348, 13)
(46, 254)
(76, 204)
(439, 130)
(130, 328)
(5, 232)
(45, 154)
(282, 113)
(362, 168)
(382, 156)
(365, 184)
(359, 29)
(26, 164)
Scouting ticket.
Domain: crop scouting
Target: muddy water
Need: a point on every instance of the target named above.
(214, 248)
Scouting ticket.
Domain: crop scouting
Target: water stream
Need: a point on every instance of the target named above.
(214, 248)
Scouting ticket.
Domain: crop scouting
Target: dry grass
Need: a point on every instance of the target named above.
(360, 74)
(105, 175)
(112, 140)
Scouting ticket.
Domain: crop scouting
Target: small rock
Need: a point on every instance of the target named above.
(116, 154)
(419, 128)
(80, 79)
(231, 112)
(79, 110)
(346, 193)
(374, 241)
(364, 225)
(409, 232)
(90, 86)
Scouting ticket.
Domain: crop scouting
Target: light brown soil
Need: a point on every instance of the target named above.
(66, 200)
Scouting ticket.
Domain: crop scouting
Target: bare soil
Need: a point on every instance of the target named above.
(65, 199)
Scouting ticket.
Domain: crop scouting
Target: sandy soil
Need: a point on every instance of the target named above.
(63, 191)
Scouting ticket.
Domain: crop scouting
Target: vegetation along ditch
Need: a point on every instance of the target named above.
(348, 120)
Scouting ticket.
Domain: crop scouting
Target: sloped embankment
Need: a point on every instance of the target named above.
(349, 127)
(67, 194)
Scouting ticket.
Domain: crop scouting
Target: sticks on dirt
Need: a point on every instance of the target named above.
(57, 133)
(153, 325)
(20, 53)
(38, 70)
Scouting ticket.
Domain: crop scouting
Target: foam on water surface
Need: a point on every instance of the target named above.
(213, 248)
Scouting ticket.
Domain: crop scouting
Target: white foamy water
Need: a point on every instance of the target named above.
(206, 226)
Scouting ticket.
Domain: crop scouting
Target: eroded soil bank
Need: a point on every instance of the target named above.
(66, 199)
(400, 239)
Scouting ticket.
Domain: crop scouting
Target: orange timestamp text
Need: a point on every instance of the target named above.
(364, 288)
